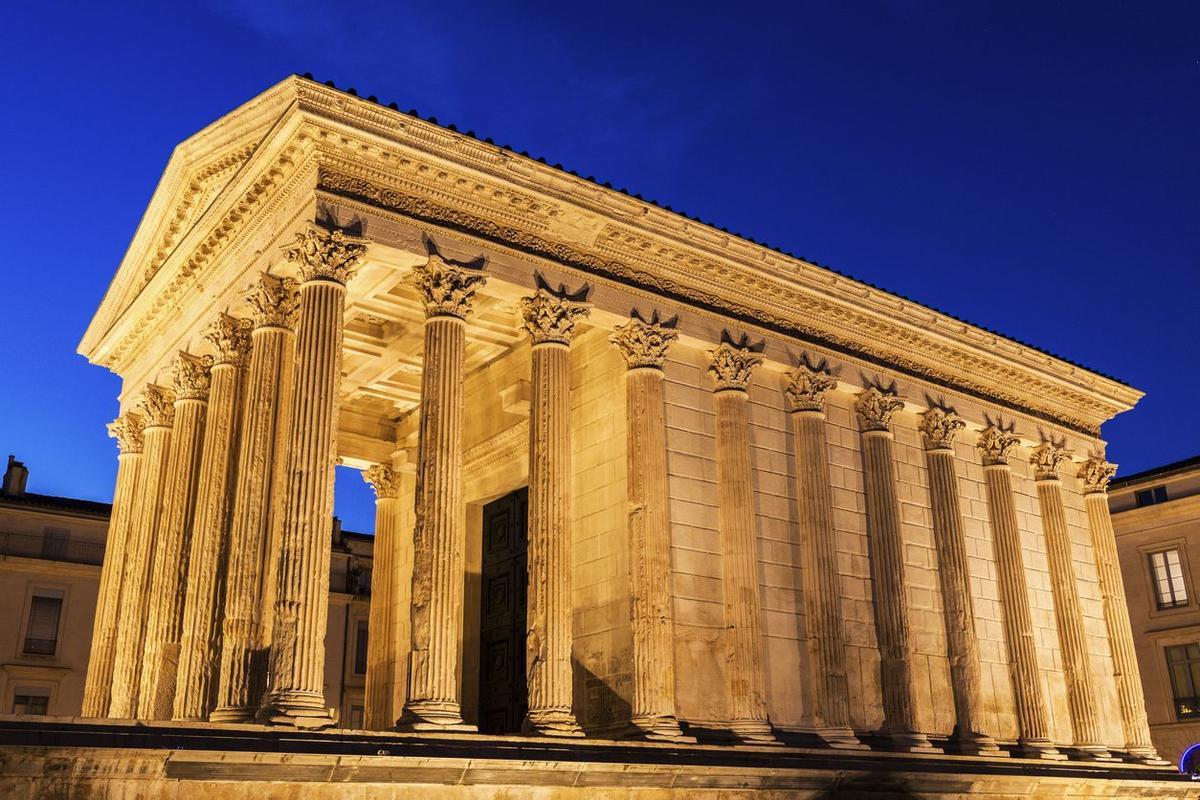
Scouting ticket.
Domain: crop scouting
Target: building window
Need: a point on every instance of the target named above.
(1183, 662)
(1148, 497)
(31, 701)
(1167, 573)
(356, 718)
(41, 637)
(360, 649)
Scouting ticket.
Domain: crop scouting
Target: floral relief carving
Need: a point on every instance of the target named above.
(1095, 473)
(1045, 459)
(446, 289)
(806, 387)
(939, 426)
(383, 480)
(644, 343)
(733, 362)
(230, 337)
(156, 407)
(875, 408)
(191, 378)
(326, 255)
(550, 314)
(274, 302)
(127, 430)
(997, 445)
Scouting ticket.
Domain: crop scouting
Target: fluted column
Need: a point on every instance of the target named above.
(97, 690)
(824, 689)
(732, 364)
(439, 535)
(381, 644)
(1033, 730)
(1094, 475)
(938, 429)
(156, 409)
(296, 696)
(550, 317)
(644, 346)
(1068, 615)
(249, 595)
(886, 556)
(195, 684)
(160, 660)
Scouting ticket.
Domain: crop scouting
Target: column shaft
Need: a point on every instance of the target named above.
(135, 595)
(200, 642)
(380, 711)
(246, 633)
(98, 685)
(161, 659)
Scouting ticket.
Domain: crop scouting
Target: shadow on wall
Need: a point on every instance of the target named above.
(874, 787)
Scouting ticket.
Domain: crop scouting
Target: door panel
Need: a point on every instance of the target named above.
(503, 698)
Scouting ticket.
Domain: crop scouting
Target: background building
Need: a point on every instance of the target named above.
(51, 549)
(1156, 515)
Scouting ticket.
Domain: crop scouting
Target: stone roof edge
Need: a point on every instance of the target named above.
(1156, 473)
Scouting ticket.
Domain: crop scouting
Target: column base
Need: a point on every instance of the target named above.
(754, 731)
(433, 715)
(551, 722)
(302, 711)
(977, 744)
(836, 737)
(664, 728)
(236, 716)
(909, 742)
(1144, 755)
(1091, 752)
(1042, 749)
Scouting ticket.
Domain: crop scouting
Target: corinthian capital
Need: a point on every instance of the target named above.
(938, 427)
(550, 314)
(645, 344)
(127, 430)
(875, 408)
(274, 302)
(806, 388)
(447, 290)
(1095, 473)
(1045, 459)
(996, 445)
(733, 362)
(325, 255)
(155, 407)
(230, 337)
(191, 379)
(383, 480)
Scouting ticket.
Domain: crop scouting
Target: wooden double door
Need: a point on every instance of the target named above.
(503, 693)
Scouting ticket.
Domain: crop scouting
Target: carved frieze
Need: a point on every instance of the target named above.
(996, 445)
(876, 407)
(230, 338)
(733, 362)
(447, 290)
(938, 427)
(326, 255)
(1095, 473)
(127, 430)
(190, 378)
(274, 302)
(644, 343)
(806, 388)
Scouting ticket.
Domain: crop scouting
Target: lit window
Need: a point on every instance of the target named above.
(1183, 662)
(41, 637)
(360, 650)
(1148, 497)
(1167, 573)
(31, 701)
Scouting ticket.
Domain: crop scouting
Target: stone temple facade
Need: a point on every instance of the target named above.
(660, 509)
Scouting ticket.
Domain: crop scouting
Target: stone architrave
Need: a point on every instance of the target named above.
(875, 409)
(643, 344)
(825, 691)
(731, 366)
(160, 659)
(156, 409)
(379, 712)
(1033, 730)
(200, 641)
(253, 534)
(550, 318)
(97, 690)
(938, 428)
(296, 695)
(439, 536)
(1068, 613)
(1094, 475)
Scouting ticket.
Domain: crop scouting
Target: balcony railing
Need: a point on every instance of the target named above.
(36, 545)
(350, 581)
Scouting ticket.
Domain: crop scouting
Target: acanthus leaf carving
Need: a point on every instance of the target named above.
(230, 338)
(1045, 459)
(644, 343)
(326, 255)
(550, 314)
(190, 378)
(127, 430)
(733, 361)
(447, 290)
(383, 479)
(938, 428)
(876, 407)
(1095, 473)
(274, 302)
(156, 406)
(997, 445)
(807, 386)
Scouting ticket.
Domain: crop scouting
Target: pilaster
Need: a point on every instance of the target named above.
(97, 691)
(644, 343)
(296, 697)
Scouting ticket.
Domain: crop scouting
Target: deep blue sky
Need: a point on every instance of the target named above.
(1031, 167)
